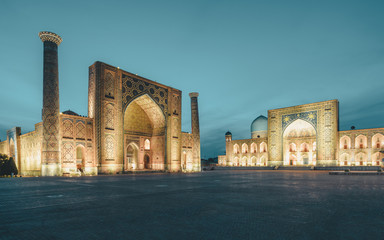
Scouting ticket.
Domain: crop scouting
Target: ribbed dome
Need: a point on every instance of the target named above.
(69, 112)
(259, 124)
(228, 133)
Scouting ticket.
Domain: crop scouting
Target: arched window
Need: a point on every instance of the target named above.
(361, 142)
(304, 147)
(377, 140)
(263, 147)
(292, 147)
(253, 148)
(236, 149)
(345, 142)
(147, 144)
(244, 148)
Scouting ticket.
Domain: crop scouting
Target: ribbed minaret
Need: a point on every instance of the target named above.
(195, 132)
(50, 157)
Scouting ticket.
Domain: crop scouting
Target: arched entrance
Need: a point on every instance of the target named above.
(147, 162)
(131, 157)
(299, 141)
(80, 158)
(144, 122)
(292, 159)
(184, 161)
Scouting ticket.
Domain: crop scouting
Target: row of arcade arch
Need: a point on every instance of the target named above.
(361, 142)
(360, 159)
(249, 161)
(254, 149)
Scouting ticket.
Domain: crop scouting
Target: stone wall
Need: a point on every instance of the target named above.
(4, 147)
(77, 136)
(30, 154)
(187, 152)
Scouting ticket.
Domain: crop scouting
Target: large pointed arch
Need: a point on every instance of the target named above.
(144, 121)
(301, 134)
(144, 104)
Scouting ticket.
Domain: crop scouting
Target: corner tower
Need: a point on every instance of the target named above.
(50, 157)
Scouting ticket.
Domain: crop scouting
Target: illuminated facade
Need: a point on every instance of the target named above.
(304, 135)
(133, 124)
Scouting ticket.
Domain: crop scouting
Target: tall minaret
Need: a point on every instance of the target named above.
(50, 157)
(195, 132)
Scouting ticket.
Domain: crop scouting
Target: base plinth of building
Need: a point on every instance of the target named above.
(51, 170)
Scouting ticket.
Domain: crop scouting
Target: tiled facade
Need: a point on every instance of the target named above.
(306, 135)
(133, 124)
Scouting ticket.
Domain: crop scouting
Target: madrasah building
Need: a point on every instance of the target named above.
(306, 135)
(133, 124)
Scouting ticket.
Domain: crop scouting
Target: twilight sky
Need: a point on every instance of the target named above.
(243, 57)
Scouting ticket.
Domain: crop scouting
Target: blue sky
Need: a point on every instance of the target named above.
(243, 57)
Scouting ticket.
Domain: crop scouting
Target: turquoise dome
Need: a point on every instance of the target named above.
(259, 124)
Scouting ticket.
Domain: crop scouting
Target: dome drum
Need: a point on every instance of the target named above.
(259, 127)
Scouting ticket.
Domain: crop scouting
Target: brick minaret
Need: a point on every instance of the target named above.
(50, 157)
(195, 131)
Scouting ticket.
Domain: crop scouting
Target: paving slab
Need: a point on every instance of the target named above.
(222, 204)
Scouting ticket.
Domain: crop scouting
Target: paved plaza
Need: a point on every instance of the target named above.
(208, 205)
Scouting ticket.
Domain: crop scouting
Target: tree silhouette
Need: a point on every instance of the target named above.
(7, 166)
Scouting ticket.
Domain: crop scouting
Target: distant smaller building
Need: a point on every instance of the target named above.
(304, 135)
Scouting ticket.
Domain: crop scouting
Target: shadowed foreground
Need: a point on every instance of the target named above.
(208, 205)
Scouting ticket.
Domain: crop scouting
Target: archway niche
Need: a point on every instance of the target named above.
(131, 157)
(144, 135)
(147, 162)
(299, 133)
(80, 158)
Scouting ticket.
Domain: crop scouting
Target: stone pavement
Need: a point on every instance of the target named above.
(207, 205)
